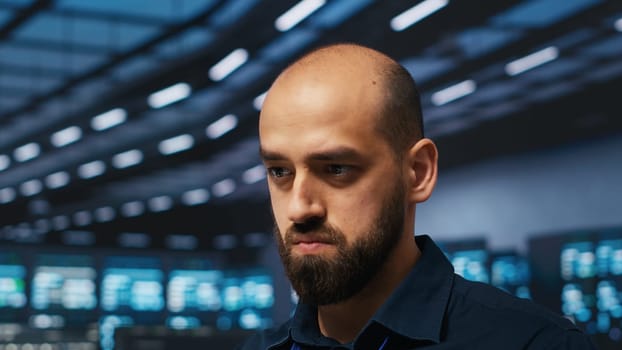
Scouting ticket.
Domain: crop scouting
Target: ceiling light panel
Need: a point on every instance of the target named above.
(109, 119)
(66, 136)
(290, 18)
(30, 187)
(258, 101)
(416, 13)
(104, 214)
(60, 222)
(127, 159)
(7, 195)
(176, 144)
(532, 61)
(82, 218)
(221, 126)
(160, 203)
(254, 174)
(5, 161)
(131, 209)
(228, 64)
(223, 188)
(57, 180)
(453, 92)
(169, 95)
(27, 152)
(195, 197)
(91, 169)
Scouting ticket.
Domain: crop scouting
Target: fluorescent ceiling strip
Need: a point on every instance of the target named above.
(104, 214)
(109, 119)
(227, 65)
(26, 152)
(7, 195)
(169, 95)
(127, 159)
(453, 92)
(5, 161)
(57, 180)
(618, 25)
(195, 197)
(176, 144)
(160, 203)
(224, 242)
(223, 187)
(31, 187)
(91, 169)
(254, 174)
(82, 218)
(258, 101)
(66, 136)
(133, 208)
(416, 14)
(531, 61)
(290, 18)
(60, 222)
(221, 126)
(42, 225)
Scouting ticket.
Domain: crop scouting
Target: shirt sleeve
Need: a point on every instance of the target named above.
(566, 339)
(255, 342)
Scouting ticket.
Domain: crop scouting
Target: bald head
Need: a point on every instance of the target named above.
(368, 78)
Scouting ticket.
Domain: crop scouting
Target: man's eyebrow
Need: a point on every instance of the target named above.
(270, 155)
(335, 154)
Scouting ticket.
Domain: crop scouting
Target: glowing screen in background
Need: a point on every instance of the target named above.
(194, 290)
(471, 264)
(12, 282)
(63, 281)
(510, 272)
(132, 284)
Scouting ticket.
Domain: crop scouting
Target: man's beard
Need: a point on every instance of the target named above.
(322, 280)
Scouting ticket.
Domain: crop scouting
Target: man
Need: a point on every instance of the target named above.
(342, 141)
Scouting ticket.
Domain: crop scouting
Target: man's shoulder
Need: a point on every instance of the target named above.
(265, 338)
(493, 301)
(498, 316)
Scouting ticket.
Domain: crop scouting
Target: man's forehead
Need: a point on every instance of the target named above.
(338, 90)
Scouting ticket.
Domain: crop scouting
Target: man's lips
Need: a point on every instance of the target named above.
(310, 244)
(310, 239)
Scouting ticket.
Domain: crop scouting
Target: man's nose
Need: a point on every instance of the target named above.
(305, 202)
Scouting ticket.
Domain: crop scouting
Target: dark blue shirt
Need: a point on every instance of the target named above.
(433, 308)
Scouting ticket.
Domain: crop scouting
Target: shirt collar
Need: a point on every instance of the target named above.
(415, 310)
(417, 307)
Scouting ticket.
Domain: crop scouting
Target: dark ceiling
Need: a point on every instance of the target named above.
(86, 142)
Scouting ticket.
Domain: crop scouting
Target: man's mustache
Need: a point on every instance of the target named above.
(314, 232)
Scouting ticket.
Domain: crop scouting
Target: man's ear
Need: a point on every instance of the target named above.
(422, 162)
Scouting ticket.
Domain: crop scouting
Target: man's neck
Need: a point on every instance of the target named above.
(344, 321)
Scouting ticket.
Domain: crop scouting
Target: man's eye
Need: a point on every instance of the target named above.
(278, 172)
(338, 169)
